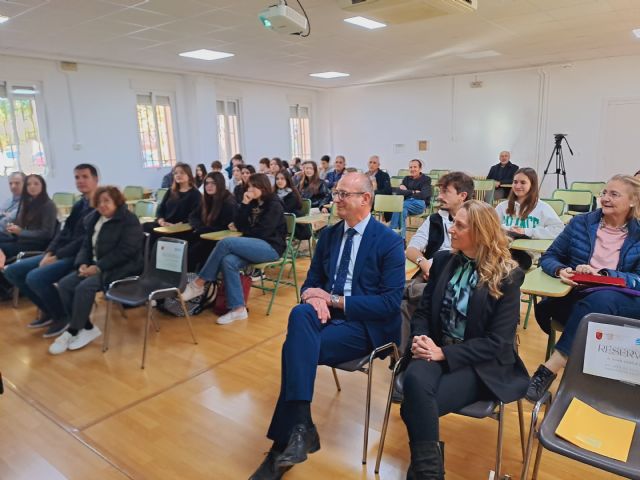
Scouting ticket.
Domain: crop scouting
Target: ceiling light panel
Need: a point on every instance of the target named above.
(365, 22)
(329, 75)
(204, 54)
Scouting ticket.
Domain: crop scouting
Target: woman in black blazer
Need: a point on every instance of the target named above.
(462, 341)
(112, 250)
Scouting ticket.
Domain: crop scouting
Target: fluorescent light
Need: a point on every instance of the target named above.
(482, 54)
(204, 54)
(24, 91)
(3, 19)
(636, 31)
(365, 22)
(329, 75)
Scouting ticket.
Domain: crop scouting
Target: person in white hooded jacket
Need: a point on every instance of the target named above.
(524, 215)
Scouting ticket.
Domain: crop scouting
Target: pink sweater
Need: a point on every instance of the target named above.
(606, 252)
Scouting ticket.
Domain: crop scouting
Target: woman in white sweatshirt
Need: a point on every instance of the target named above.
(524, 215)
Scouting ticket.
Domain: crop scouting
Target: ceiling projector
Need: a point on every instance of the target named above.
(283, 19)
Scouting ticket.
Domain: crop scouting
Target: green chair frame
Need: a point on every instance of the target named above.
(288, 258)
(403, 172)
(557, 204)
(575, 197)
(594, 187)
(438, 173)
(160, 193)
(396, 181)
(145, 208)
(389, 204)
(133, 192)
(64, 202)
(484, 190)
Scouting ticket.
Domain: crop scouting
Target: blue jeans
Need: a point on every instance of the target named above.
(411, 206)
(569, 311)
(229, 257)
(37, 282)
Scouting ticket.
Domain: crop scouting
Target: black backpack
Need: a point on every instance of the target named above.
(195, 306)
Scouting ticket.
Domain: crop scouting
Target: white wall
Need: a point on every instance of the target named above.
(101, 105)
(514, 110)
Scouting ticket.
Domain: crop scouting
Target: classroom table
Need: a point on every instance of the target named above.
(410, 269)
(177, 228)
(531, 245)
(311, 219)
(539, 284)
(219, 235)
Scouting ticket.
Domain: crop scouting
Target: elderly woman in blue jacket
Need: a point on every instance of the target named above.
(603, 242)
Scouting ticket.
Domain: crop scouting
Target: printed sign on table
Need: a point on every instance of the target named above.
(613, 351)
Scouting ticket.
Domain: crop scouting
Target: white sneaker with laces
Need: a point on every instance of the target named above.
(232, 316)
(84, 337)
(192, 291)
(61, 344)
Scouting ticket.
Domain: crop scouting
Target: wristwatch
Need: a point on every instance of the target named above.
(419, 259)
(335, 300)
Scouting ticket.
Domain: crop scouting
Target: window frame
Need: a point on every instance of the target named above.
(153, 93)
(225, 152)
(294, 154)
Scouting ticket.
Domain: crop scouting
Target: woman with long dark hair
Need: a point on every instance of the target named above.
(288, 193)
(312, 187)
(35, 223)
(260, 219)
(524, 215)
(179, 201)
(216, 212)
(201, 172)
(245, 172)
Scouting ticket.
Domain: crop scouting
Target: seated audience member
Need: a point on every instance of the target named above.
(264, 166)
(433, 235)
(524, 215)
(335, 175)
(178, 202)
(215, 213)
(462, 341)
(603, 242)
(288, 194)
(35, 223)
(235, 160)
(245, 173)
(351, 305)
(236, 178)
(296, 166)
(260, 218)
(275, 166)
(36, 276)
(311, 187)
(9, 209)
(380, 180)
(216, 166)
(112, 249)
(325, 166)
(167, 180)
(416, 190)
(201, 172)
(502, 173)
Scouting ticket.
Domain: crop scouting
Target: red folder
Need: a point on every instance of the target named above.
(589, 279)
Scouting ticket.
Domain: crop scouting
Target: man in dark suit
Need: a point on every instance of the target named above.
(502, 173)
(351, 304)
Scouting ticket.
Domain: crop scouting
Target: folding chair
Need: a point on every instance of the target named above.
(365, 365)
(160, 193)
(611, 397)
(594, 187)
(165, 276)
(396, 181)
(484, 190)
(555, 203)
(438, 173)
(145, 208)
(403, 172)
(64, 202)
(133, 192)
(288, 258)
(578, 201)
(389, 204)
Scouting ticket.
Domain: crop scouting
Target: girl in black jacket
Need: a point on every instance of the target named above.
(312, 187)
(245, 172)
(215, 213)
(260, 219)
(112, 250)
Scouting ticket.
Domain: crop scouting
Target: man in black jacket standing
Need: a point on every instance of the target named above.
(35, 276)
(503, 173)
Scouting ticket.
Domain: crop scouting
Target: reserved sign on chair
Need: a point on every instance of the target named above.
(613, 351)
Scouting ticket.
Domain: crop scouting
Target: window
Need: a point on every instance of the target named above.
(299, 129)
(228, 113)
(21, 146)
(155, 126)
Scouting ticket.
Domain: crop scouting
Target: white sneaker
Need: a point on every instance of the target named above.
(192, 291)
(84, 337)
(61, 344)
(232, 316)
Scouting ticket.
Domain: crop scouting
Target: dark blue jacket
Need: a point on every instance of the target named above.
(378, 278)
(68, 241)
(574, 246)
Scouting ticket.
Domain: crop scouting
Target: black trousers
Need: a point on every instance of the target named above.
(431, 391)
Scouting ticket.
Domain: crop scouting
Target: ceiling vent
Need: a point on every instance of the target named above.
(404, 11)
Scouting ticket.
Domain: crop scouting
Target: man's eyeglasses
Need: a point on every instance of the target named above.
(341, 194)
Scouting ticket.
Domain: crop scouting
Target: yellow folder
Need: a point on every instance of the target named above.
(595, 431)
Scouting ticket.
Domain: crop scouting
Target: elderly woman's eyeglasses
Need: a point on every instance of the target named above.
(613, 194)
(341, 194)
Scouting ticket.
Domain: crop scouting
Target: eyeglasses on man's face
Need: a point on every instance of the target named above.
(342, 195)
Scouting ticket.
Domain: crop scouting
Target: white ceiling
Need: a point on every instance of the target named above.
(152, 32)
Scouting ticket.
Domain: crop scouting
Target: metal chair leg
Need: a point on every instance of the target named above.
(146, 334)
(107, 329)
(335, 377)
(544, 401)
(367, 412)
(500, 436)
(15, 297)
(521, 424)
(536, 464)
(123, 311)
(187, 318)
(385, 423)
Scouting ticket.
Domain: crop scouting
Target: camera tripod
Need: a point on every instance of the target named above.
(559, 164)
